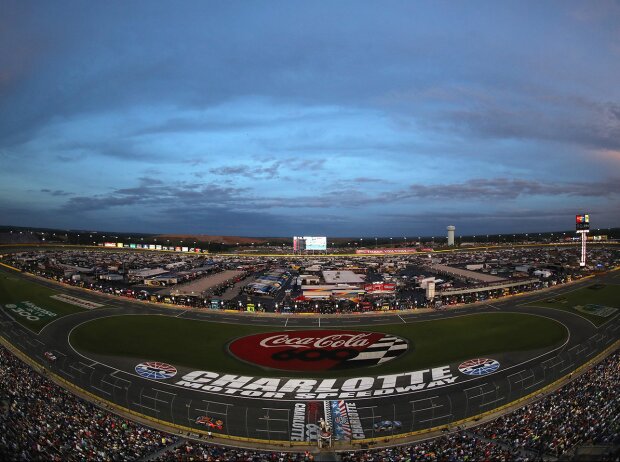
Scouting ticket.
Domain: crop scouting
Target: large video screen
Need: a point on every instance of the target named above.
(582, 222)
(315, 243)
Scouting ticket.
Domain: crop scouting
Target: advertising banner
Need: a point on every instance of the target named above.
(340, 421)
(385, 251)
(380, 287)
(305, 425)
(30, 311)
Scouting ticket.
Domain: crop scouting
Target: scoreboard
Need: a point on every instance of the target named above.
(582, 222)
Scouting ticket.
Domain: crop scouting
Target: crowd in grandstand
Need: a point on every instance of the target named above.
(191, 451)
(585, 411)
(454, 447)
(41, 421)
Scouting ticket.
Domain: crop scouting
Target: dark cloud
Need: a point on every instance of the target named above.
(304, 164)
(269, 169)
(593, 125)
(363, 179)
(108, 58)
(56, 192)
(507, 189)
(268, 172)
(121, 148)
(156, 195)
(525, 220)
(336, 112)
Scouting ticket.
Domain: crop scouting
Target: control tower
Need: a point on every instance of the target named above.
(451, 235)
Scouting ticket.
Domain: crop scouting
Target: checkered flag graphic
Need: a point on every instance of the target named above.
(381, 351)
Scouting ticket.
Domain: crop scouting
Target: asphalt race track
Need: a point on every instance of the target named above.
(446, 395)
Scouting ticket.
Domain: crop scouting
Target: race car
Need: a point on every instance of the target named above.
(387, 425)
(50, 356)
(208, 422)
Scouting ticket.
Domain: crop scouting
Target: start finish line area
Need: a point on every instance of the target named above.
(353, 379)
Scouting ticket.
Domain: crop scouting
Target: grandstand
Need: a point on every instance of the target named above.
(41, 421)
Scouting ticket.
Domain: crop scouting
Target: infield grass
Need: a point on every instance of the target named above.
(584, 302)
(203, 345)
(15, 291)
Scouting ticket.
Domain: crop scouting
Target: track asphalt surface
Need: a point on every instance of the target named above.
(280, 420)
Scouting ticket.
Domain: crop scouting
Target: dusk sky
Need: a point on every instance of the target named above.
(310, 118)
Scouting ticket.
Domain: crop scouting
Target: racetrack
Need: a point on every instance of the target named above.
(418, 395)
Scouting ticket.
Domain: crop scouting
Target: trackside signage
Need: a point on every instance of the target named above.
(319, 389)
(318, 350)
(30, 311)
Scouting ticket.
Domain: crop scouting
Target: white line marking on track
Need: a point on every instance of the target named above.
(101, 390)
(436, 418)
(113, 385)
(204, 411)
(434, 406)
(471, 388)
(516, 373)
(75, 368)
(163, 391)
(492, 402)
(146, 407)
(401, 318)
(155, 399)
(424, 399)
(534, 384)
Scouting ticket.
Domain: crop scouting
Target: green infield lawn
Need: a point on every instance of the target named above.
(597, 303)
(203, 345)
(29, 303)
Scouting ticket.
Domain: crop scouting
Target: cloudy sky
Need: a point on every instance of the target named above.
(284, 118)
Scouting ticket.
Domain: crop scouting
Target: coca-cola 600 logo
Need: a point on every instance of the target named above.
(318, 350)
